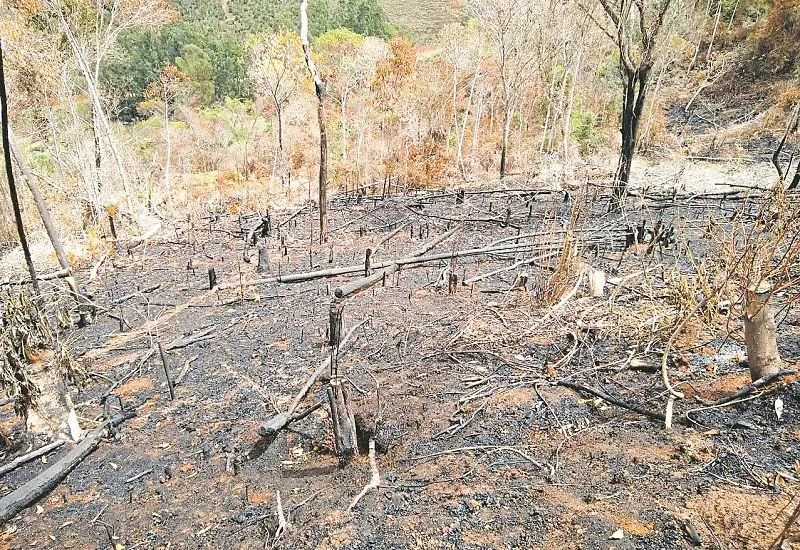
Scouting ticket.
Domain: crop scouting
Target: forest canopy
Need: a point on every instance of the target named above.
(216, 36)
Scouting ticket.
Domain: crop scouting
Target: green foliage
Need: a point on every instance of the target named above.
(586, 130)
(196, 65)
(142, 55)
(209, 44)
(422, 20)
(342, 39)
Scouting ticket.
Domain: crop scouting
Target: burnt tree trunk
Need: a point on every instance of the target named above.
(504, 144)
(263, 260)
(319, 89)
(344, 425)
(760, 332)
(12, 188)
(632, 107)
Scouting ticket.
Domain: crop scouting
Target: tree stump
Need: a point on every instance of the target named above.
(597, 282)
(368, 263)
(344, 426)
(263, 260)
(760, 332)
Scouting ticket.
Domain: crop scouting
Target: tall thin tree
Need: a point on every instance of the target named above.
(319, 88)
(12, 188)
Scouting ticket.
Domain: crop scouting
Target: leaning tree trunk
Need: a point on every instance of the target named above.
(319, 88)
(12, 188)
(760, 332)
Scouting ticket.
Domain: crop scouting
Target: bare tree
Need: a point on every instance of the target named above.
(636, 27)
(465, 50)
(511, 27)
(276, 66)
(92, 30)
(160, 99)
(319, 88)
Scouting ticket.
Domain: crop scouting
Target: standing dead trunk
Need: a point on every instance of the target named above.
(280, 156)
(460, 135)
(47, 221)
(344, 426)
(319, 88)
(567, 118)
(344, 128)
(168, 149)
(760, 332)
(504, 146)
(632, 107)
(12, 188)
(38, 199)
(98, 162)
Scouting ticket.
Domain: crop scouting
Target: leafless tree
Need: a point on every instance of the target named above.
(637, 28)
(511, 27)
(319, 88)
(276, 67)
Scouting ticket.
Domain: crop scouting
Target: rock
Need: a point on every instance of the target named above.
(694, 536)
(744, 425)
(273, 425)
(619, 534)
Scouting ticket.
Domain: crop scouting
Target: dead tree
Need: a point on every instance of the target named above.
(344, 425)
(635, 31)
(791, 127)
(12, 188)
(50, 228)
(319, 88)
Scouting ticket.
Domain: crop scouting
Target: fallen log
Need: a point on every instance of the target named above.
(366, 282)
(61, 274)
(501, 221)
(293, 216)
(127, 297)
(178, 343)
(613, 400)
(336, 271)
(137, 241)
(22, 459)
(403, 224)
(29, 493)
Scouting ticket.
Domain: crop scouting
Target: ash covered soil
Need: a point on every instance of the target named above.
(479, 447)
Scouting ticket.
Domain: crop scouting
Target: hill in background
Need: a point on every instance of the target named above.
(423, 19)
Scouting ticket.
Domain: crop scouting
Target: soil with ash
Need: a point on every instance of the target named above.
(481, 447)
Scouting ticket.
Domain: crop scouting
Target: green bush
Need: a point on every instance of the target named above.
(586, 130)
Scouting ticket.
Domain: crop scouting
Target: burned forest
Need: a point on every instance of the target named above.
(361, 274)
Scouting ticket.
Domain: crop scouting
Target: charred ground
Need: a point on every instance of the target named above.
(482, 448)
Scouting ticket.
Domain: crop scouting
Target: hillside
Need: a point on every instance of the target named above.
(421, 19)
(393, 279)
